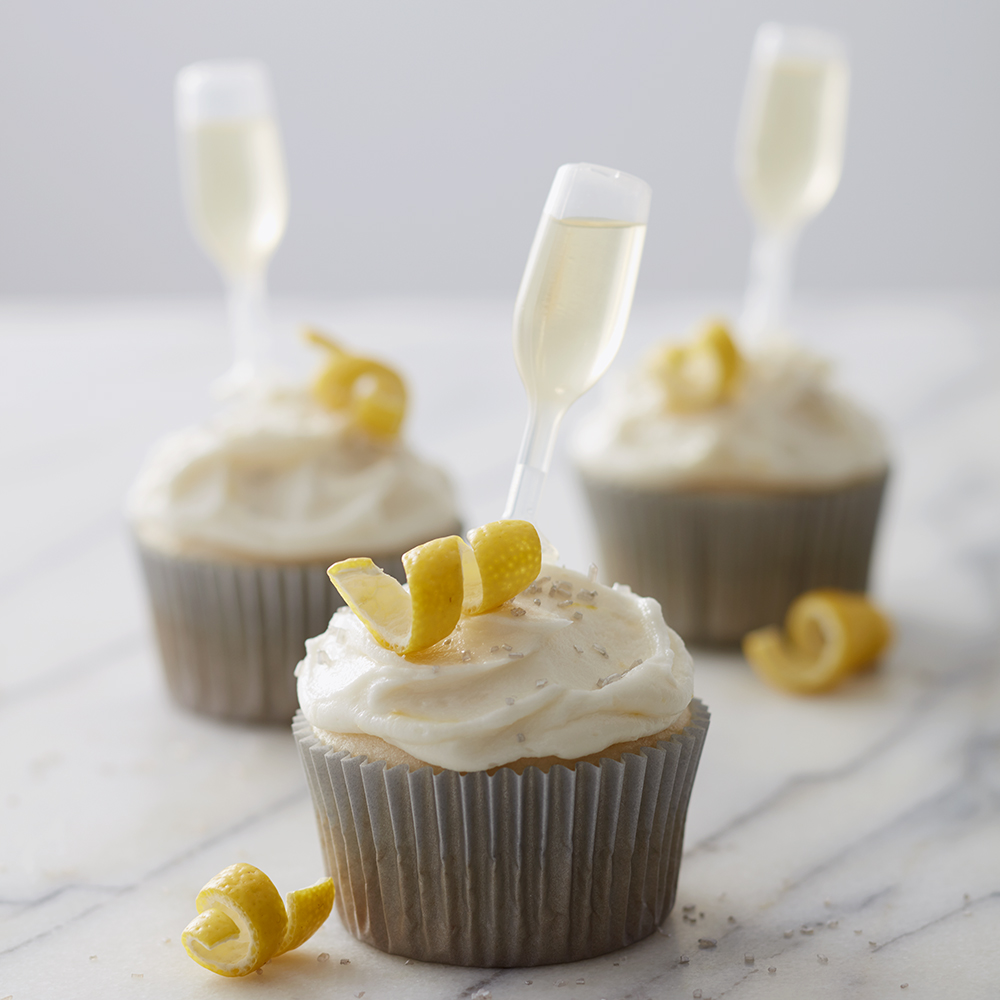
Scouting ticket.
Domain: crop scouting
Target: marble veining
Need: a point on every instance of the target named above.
(845, 846)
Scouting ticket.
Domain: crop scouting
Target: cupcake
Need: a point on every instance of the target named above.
(237, 520)
(515, 793)
(725, 486)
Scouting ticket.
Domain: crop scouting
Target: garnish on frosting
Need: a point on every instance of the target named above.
(446, 578)
(829, 635)
(242, 922)
(371, 392)
(701, 374)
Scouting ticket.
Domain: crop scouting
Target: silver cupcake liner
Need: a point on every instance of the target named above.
(230, 634)
(724, 562)
(501, 869)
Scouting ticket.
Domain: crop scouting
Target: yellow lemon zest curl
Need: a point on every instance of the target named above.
(446, 578)
(242, 922)
(372, 393)
(701, 374)
(829, 635)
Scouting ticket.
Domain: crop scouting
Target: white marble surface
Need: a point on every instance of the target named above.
(849, 843)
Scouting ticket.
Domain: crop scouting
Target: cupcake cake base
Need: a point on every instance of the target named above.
(507, 867)
(722, 562)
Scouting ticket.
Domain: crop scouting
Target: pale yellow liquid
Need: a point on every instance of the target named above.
(574, 303)
(792, 148)
(237, 192)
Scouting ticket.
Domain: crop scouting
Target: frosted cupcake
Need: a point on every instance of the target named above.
(726, 486)
(514, 793)
(237, 520)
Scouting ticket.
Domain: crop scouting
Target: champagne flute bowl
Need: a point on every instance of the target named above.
(235, 191)
(573, 305)
(789, 157)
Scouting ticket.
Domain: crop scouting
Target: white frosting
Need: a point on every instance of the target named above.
(470, 704)
(277, 476)
(784, 427)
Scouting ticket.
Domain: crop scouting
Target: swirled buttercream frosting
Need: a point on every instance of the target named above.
(784, 427)
(277, 476)
(566, 669)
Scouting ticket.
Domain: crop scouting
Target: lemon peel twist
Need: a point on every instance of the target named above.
(701, 374)
(829, 635)
(242, 922)
(373, 394)
(446, 578)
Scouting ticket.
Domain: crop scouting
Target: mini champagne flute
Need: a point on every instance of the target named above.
(789, 156)
(573, 305)
(235, 191)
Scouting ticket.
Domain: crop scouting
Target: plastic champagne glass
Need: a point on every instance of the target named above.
(235, 191)
(789, 157)
(573, 305)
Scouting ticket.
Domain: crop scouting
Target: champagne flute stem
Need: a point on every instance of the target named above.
(533, 462)
(247, 308)
(769, 285)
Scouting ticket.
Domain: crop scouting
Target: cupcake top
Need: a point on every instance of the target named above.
(703, 416)
(278, 475)
(566, 668)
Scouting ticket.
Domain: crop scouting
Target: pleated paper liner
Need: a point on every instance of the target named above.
(723, 562)
(230, 634)
(504, 869)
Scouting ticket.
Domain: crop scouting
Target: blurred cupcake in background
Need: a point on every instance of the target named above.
(725, 485)
(237, 520)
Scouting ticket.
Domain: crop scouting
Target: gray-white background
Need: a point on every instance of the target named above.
(422, 137)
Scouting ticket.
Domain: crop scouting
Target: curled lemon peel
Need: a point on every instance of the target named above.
(242, 922)
(372, 393)
(701, 374)
(506, 556)
(446, 577)
(829, 635)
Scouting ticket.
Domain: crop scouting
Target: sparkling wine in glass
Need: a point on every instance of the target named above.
(235, 191)
(573, 305)
(789, 157)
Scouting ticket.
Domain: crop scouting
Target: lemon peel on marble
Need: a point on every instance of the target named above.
(373, 394)
(829, 635)
(701, 374)
(307, 911)
(242, 922)
(446, 577)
